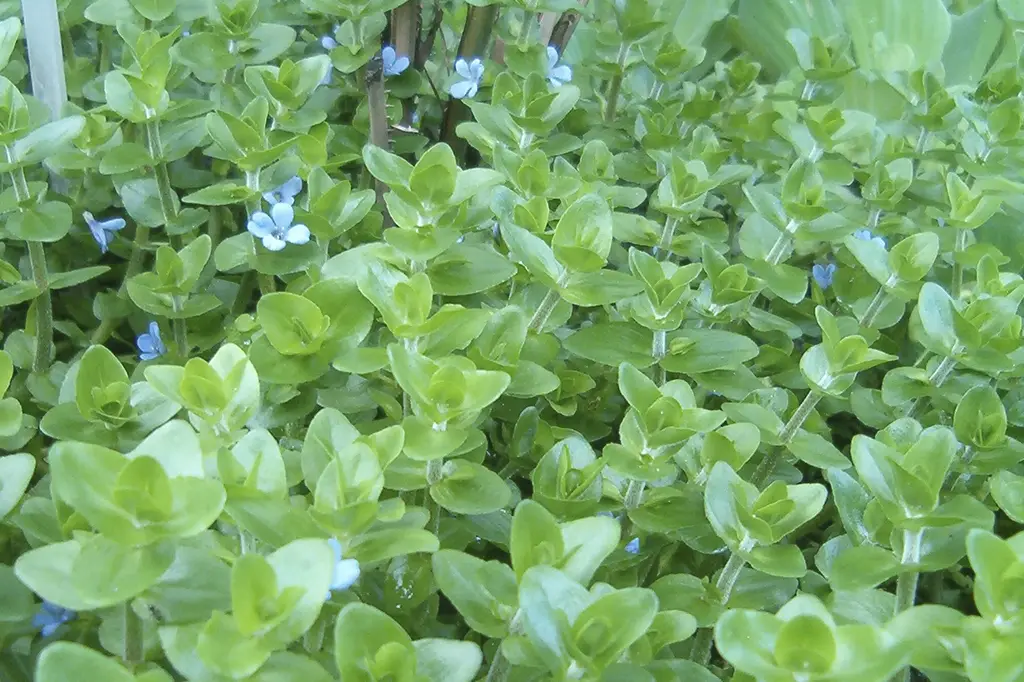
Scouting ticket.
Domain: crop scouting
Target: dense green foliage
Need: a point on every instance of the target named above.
(525, 340)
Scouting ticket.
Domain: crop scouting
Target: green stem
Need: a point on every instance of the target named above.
(958, 269)
(40, 277)
(435, 473)
(524, 28)
(789, 429)
(133, 651)
(544, 310)
(616, 83)
(875, 307)
(500, 667)
(701, 651)
(658, 351)
(668, 233)
(906, 583)
(168, 199)
(782, 244)
(935, 380)
(44, 308)
(634, 494)
(180, 328)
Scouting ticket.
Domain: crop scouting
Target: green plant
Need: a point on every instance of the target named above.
(511, 340)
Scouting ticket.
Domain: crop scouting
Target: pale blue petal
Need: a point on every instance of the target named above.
(399, 65)
(462, 68)
(271, 197)
(388, 56)
(261, 224)
(328, 43)
(463, 89)
(562, 73)
(336, 548)
(634, 546)
(297, 234)
(273, 243)
(476, 67)
(291, 188)
(823, 274)
(282, 214)
(552, 57)
(113, 225)
(346, 573)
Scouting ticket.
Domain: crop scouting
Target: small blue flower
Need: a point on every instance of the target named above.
(328, 42)
(867, 236)
(472, 73)
(346, 571)
(558, 74)
(103, 230)
(286, 193)
(276, 230)
(634, 546)
(51, 617)
(393, 64)
(150, 345)
(823, 274)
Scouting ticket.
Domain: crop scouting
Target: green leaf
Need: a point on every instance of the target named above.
(446, 660)
(583, 235)
(469, 488)
(691, 351)
(369, 645)
(612, 343)
(47, 140)
(62, 661)
(221, 194)
(484, 592)
(15, 474)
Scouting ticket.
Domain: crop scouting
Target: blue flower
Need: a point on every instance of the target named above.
(51, 617)
(472, 73)
(558, 74)
(276, 230)
(867, 236)
(346, 571)
(634, 546)
(823, 274)
(150, 345)
(286, 193)
(393, 64)
(328, 43)
(103, 230)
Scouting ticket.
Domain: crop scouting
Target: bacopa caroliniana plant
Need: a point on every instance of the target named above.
(420, 341)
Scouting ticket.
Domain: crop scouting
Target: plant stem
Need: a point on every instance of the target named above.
(544, 310)
(789, 429)
(44, 308)
(634, 493)
(180, 327)
(935, 380)
(168, 199)
(958, 269)
(500, 667)
(658, 351)
(668, 233)
(40, 277)
(782, 243)
(906, 583)
(616, 83)
(132, 652)
(701, 651)
(874, 307)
